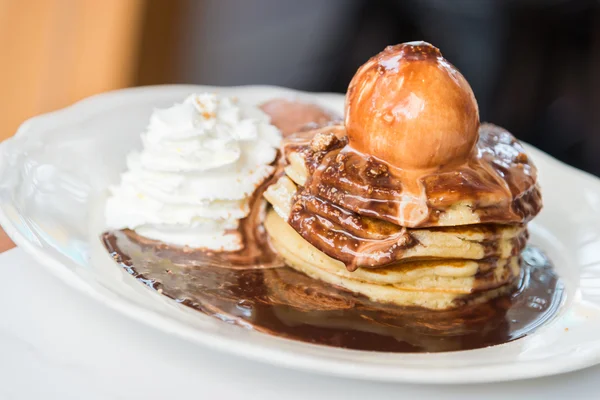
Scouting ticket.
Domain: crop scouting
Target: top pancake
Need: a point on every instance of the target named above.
(497, 185)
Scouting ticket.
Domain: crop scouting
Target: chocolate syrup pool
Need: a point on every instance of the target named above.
(283, 302)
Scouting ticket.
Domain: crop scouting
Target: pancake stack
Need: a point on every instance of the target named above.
(410, 201)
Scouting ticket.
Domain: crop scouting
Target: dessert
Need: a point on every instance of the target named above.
(401, 227)
(411, 189)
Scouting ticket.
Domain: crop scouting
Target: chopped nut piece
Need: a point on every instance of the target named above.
(403, 240)
(521, 158)
(376, 169)
(322, 141)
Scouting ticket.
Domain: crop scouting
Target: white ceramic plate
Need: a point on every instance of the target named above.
(53, 179)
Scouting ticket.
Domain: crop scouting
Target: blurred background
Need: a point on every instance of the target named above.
(534, 65)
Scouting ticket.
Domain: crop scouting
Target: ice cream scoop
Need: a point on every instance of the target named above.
(408, 106)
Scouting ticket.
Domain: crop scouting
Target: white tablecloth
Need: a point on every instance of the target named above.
(55, 343)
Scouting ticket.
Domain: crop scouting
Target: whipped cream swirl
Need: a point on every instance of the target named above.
(192, 182)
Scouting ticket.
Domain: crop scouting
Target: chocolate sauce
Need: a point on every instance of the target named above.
(499, 181)
(286, 303)
(293, 116)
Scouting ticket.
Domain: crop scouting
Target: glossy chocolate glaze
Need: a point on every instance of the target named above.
(286, 303)
(499, 181)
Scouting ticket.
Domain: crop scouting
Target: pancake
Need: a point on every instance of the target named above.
(431, 284)
(378, 242)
